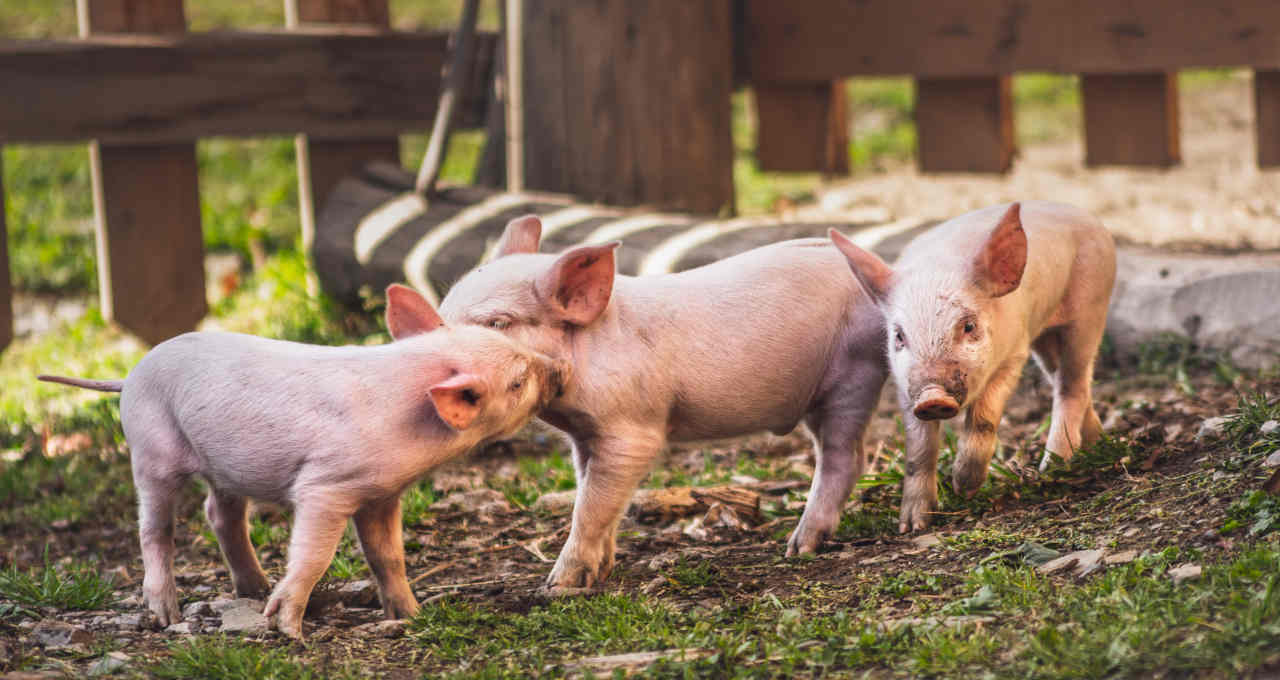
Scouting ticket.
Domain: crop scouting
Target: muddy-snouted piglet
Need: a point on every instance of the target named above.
(765, 340)
(965, 304)
(333, 432)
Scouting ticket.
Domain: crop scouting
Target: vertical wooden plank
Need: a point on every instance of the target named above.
(964, 124)
(322, 163)
(6, 285)
(1266, 101)
(146, 204)
(1131, 119)
(628, 103)
(802, 127)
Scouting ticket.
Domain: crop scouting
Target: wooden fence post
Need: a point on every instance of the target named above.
(322, 163)
(1266, 101)
(628, 102)
(802, 127)
(6, 285)
(146, 203)
(964, 124)
(1131, 119)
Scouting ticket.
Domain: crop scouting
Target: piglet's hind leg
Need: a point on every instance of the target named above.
(378, 526)
(156, 494)
(229, 517)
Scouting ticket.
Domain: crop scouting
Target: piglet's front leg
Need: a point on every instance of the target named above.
(378, 526)
(316, 532)
(920, 485)
(612, 468)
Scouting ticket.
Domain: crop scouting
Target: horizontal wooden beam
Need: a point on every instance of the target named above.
(821, 40)
(335, 83)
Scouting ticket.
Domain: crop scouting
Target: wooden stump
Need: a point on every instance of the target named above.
(1266, 99)
(146, 204)
(1131, 119)
(964, 124)
(322, 163)
(627, 102)
(802, 127)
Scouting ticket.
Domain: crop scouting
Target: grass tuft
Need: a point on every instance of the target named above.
(76, 586)
(221, 658)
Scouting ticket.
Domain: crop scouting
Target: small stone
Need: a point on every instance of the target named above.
(1131, 532)
(721, 515)
(127, 622)
(197, 609)
(59, 635)
(393, 628)
(1080, 562)
(556, 502)
(744, 480)
(653, 585)
(362, 593)
(1122, 557)
(245, 619)
(926, 540)
(1272, 460)
(202, 588)
(183, 628)
(1270, 427)
(220, 606)
(108, 664)
(118, 576)
(130, 602)
(1185, 572)
(1211, 427)
(480, 501)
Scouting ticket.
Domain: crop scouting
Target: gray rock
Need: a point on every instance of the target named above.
(479, 501)
(362, 593)
(183, 628)
(128, 621)
(220, 606)
(1122, 557)
(1270, 427)
(197, 609)
(58, 635)
(246, 619)
(1272, 460)
(1080, 562)
(556, 502)
(384, 629)
(1211, 428)
(108, 664)
(1160, 293)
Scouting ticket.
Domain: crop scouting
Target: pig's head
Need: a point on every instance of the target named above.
(493, 384)
(939, 318)
(540, 300)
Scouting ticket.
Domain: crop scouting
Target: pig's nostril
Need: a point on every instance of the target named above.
(936, 404)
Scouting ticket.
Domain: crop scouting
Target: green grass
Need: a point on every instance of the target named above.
(75, 586)
(40, 490)
(538, 475)
(221, 658)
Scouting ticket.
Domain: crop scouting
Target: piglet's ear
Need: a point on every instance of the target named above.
(521, 236)
(408, 313)
(999, 265)
(578, 285)
(872, 273)
(458, 400)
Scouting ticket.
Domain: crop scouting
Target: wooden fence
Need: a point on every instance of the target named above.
(142, 90)
(626, 102)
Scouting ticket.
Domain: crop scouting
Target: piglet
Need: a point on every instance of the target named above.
(965, 304)
(765, 340)
(334, 432)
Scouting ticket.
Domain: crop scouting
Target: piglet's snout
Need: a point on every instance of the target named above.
(934, 403)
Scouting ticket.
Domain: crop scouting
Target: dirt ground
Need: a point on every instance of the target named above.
(1217, 199)
(499, 556)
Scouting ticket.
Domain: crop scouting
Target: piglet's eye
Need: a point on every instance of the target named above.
(498, 323)
(969, 326)
(515, 386)
(899, 340)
